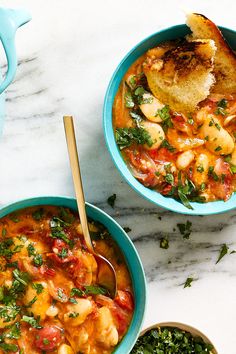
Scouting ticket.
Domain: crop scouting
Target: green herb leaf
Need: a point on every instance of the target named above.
(185, 229)
(166, 144)
(164, 114)
(223, 252)
(9, 347)
(164, 243)
(33, 322)
(111, 200)
(38, 287)
(188, 283)
(127, 136)
(38, 214)
(129, 103)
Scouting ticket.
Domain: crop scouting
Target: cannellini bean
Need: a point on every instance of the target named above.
(218, 140)
(65, 349)
(183, 142)
(150, 109)
(52, 311)
(200, 172)
(185, 159)
(40, 306)
(81, 310)
(156, 132)
(107, 332)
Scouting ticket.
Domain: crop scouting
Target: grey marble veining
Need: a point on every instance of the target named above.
(67, 55)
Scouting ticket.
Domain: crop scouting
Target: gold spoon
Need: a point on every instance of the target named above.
(106, 273)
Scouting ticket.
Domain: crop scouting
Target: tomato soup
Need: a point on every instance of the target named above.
(49, 297)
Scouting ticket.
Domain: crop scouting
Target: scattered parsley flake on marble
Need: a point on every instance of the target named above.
(111, 200)
(188, 283)
(185, 229)
(223, 252)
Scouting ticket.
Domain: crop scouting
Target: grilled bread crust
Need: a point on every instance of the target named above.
(225, 59)
(180, 73)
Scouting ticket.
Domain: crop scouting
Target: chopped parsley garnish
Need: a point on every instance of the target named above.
(6, 249)
(14, 331)
(188, 283)
(74, 314)
(185, 191)
(169, 178)
(31, 302)
(136, 117)
(129, 103)
(221, 106)
(38, 214)
(164, 114)
(218, 148)
(127, 136)
(14, 217)
(57, 230)
(63, 253)
(166, 144)
(9, 347)
(202, 186)
(223, 252)
(170, 340)
(139, 96)
(164, 243)
(233, 168)
(4, 232)
(212, 173)
(38, 287)
(37, 258)
(9, 312)
(185, 229)
(111, 200)
(33, 322)
(88, 290)
(127, 229)
(200, 168)
(61, 295)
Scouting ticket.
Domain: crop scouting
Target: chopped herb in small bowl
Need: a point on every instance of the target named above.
(173, 338)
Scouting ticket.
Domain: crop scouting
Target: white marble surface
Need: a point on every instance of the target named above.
(67, 55)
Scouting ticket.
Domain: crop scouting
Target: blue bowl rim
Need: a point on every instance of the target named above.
(133, 332)
(121, 165)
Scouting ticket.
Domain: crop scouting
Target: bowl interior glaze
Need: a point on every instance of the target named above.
(118, 234)
(151, 195)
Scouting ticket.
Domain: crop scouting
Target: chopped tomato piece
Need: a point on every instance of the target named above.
(125, 300)
(222, 186)
(48, 338)
(163, 154)
(50, 272)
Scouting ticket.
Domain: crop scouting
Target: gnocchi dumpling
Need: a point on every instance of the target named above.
(156, 133)
(217, 139)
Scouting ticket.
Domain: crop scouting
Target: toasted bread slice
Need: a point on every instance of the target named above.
(225, 59)
(179, 74)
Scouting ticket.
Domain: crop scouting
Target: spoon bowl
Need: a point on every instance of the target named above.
(106, 275)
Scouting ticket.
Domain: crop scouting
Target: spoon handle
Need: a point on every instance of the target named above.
(74, 162)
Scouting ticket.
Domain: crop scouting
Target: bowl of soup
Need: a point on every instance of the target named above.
(49, 298)
(171, 158)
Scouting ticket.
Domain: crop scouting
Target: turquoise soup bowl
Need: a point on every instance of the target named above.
(151, 195)
(121, 238)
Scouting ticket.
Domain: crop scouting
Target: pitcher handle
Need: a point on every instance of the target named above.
(10, 20)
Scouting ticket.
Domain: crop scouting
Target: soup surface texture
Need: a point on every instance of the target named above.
(49, 299)
(190, 156)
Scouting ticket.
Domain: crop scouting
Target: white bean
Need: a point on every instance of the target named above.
(156, 133)
(52, 311)
(200, 172)
(184, 159)
(218, 140)
(150, 109)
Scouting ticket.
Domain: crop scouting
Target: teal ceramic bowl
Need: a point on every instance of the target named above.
(151, 195)
(124, 243)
